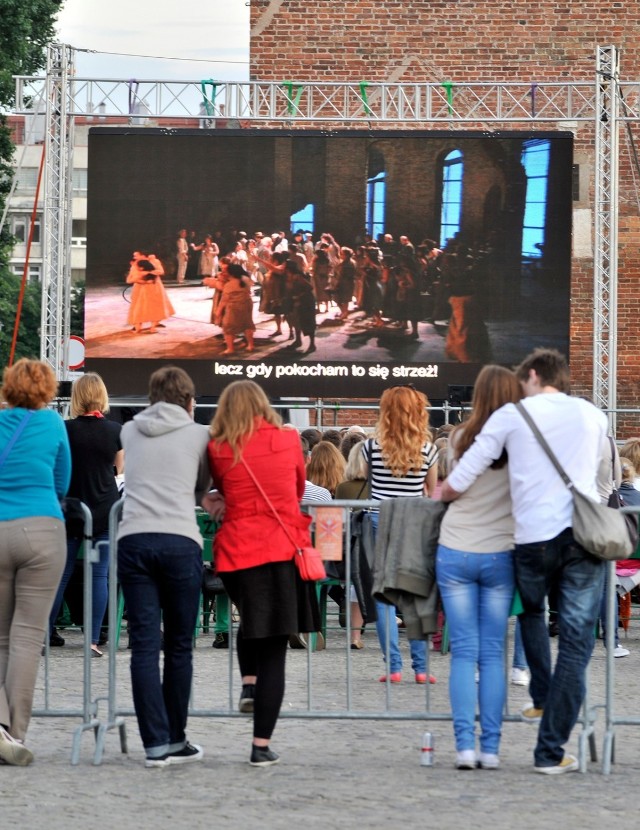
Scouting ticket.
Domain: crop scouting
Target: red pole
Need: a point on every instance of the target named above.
(25, 271)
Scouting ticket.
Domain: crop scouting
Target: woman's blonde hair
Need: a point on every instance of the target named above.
(628, 470)
(403, 429)
(326, 466)
(242, 403)
(356, 464)
(631, 450)
(89, 394)
(30, 384)
(442, 444)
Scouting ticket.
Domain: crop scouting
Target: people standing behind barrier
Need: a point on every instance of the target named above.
(546, 554)
(326, 466)
(96, 457)
(403, 464)
(254, 552)
(35, 469)
(474, 569)
(631, 450)
(160, 560)
(609, 477)
(235, 309)
(630, 496)
(354, 487)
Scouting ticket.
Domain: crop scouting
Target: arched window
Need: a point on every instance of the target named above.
(451, 208)
(535, 160)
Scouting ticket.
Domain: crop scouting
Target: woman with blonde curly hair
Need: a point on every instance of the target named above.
(326, 466)
(35, 468)
(403, 462)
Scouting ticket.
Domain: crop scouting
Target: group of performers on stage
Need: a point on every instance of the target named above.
(395, 284)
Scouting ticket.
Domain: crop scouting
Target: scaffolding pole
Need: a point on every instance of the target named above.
(56, 255)
(605, 275)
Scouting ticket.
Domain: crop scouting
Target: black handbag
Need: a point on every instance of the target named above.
(212, 584)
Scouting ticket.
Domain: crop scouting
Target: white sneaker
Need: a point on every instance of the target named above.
(466, 759)
(488, 760)
(621, 651)
(519, 677)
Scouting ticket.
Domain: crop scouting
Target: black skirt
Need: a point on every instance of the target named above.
(272, 600)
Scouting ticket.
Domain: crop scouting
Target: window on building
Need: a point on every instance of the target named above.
(303, 220)
(451, 206)
(27, 179)
(20, 229)
(79, 181)
(535, 160)
(35, 271)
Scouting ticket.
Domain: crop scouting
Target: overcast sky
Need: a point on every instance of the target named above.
(210, 37)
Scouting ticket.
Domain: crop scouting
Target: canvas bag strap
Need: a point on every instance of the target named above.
(15, 436)
(266, 498)
(543, 443)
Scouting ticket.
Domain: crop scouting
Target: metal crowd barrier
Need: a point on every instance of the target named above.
(117, 713)
(88, 711)
(611, 719)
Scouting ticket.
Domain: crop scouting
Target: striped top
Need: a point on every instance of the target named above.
(384, 485)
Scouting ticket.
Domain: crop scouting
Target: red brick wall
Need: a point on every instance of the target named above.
(463, 41)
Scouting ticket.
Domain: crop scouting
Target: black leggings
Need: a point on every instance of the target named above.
(264, 658)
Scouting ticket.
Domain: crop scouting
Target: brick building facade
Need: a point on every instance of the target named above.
(465, 41)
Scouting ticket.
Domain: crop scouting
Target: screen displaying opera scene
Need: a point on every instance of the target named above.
(324, 263)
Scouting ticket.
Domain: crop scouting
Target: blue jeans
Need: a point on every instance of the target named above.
(161, 576)
(418, 648)
(560, 563)
(386, 615)
(519, 657)
(477, 592)
(99, 584)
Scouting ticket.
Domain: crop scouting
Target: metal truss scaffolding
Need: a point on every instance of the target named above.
(56, 271)
(605, 281)
(428, 105)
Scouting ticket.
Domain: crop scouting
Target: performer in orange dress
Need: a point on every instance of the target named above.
(149, 300)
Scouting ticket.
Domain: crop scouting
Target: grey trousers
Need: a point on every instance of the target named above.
(33, 553)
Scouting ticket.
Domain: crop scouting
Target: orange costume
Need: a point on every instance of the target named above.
(149, 300)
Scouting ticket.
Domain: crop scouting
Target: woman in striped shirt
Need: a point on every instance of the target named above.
(403, 464)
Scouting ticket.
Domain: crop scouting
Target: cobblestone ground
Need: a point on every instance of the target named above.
(342, 772)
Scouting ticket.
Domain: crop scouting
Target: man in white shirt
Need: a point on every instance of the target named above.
(546, 554)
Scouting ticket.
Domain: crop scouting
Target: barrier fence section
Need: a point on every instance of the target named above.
(88, 711)
(328, 706)
(611, 719)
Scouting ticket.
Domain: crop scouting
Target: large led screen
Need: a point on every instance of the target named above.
(372, 258)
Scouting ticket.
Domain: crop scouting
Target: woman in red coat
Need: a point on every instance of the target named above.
(254, 553)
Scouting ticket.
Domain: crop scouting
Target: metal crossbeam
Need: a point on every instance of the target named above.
(438, 103)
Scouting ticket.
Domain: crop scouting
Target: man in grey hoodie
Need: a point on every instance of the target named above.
(160, 560)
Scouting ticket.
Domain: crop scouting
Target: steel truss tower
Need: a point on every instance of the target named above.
(489, 105)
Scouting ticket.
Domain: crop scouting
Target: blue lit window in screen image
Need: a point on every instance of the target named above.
(303, 220)
(535, 160)
(452, 172)
(376, 204)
